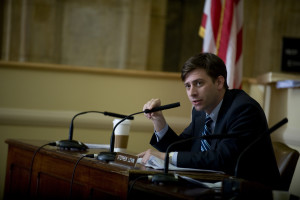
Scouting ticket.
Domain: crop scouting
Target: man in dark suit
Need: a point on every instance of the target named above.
(216, 110)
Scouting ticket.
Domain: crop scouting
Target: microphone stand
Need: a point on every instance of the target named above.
(85, 112)
(237, 188)
(73, 144)
(110, 156)
(271, 130)
(166, 177)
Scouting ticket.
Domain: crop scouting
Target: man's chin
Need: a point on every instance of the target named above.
(198, 108)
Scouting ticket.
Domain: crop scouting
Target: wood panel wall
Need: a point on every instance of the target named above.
(266, 22)
(146, 35)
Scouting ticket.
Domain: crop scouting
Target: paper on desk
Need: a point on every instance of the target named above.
(98, 146)
(202, 183)
(157, 163)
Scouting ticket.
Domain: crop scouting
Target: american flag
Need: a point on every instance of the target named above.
(222, 33)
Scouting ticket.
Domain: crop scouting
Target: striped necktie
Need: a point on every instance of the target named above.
(207, 131)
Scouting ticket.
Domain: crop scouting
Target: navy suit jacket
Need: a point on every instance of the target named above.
(239, 114)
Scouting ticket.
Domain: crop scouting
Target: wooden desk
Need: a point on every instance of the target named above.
(232, 188)
(181, 190)
(53, 169)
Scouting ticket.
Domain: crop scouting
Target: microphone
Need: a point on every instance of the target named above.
(110, 156)
(166, 177)
(76, 145)
(116, 115)
(271, 130)
(165, 107)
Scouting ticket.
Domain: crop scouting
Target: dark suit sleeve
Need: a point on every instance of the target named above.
(171, 137)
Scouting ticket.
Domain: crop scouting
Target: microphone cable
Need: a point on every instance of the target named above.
(75, 166)
(32, 161)
(134, 181)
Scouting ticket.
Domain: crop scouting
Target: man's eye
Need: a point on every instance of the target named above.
(187, 86)
(199, 84)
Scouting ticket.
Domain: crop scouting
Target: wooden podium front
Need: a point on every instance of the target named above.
(53, 168)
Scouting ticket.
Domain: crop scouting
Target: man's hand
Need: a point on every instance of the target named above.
(146, 155)
(157, 118)
(153, 103)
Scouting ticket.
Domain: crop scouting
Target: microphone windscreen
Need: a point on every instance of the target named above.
(168, 106)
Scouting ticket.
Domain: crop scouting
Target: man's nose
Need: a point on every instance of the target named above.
(193, 91)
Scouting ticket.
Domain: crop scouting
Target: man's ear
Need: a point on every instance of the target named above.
(220, 82)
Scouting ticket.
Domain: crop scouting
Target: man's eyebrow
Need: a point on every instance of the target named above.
(193, 81)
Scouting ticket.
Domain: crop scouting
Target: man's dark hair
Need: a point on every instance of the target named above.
(213, 65)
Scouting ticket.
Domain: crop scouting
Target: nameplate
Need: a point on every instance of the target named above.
(126, 159)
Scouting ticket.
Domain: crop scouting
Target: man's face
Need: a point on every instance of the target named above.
(203, 93)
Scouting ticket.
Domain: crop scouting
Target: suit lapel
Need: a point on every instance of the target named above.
(220, 124)
(198, 123)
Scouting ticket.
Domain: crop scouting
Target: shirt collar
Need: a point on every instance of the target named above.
(214, 114)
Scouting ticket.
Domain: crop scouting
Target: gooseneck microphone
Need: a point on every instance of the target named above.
(71, 144)
(165, 107)
(166, 177)
(110, 156)
(85, 112)
(271, 130)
